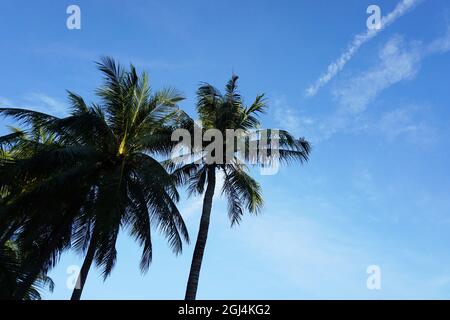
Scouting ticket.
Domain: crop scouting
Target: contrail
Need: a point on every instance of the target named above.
(334, 68)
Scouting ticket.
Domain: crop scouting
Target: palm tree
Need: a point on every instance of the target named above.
(243, 193)
(11, 258)
(11, 255)
(99, 176)
(35, 212)
(14, 146)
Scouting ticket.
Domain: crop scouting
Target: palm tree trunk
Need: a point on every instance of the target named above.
(78, 290)
(197, 258)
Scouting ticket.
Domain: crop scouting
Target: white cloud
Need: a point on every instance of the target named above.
(5, 103)
(286, 115)
(44, 103)
(363, 181)
(407, 123)
(322, 261)
(38, 102)
(440, 45)
(305, 253)
(289, 118)
(398, 61)
(334, 68)
(192, 207)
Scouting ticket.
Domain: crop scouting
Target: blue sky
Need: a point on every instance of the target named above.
(375, 191)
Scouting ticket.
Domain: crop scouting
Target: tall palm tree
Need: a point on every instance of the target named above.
(98, 177)
(221, 112)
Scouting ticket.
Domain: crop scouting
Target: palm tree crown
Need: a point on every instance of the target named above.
(96, 176)
(223, 112)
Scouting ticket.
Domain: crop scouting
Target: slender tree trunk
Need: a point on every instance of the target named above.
(78, 290)
(197, 258)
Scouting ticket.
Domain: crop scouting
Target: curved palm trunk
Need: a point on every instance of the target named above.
(78, 290)
(197, 258)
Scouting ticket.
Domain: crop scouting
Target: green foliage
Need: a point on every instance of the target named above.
(228, 111)
(11, 258)
(93, 171)
(68, 182)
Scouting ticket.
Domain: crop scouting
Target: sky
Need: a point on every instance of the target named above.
(374, 104)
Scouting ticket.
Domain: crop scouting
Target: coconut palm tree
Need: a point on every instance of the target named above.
(221, 112)
(14, 146)
(35, 212)
(12, 255)
(99, 176)
(11, 258)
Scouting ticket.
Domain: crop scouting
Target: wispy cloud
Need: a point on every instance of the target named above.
(36, 101)
(334, 68)
(45, 103)
(439, 45)
(191, 207)
(301, 250)
(4, 102)
(289, 117)
(406, 122)
(363, 181)
(397, 61)
(308, 251)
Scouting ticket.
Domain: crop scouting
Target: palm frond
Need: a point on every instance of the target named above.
(241, 191)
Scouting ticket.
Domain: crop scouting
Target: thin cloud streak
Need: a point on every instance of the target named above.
(334, 68)
(399, 61)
